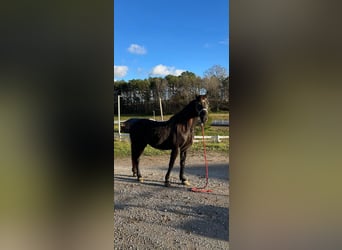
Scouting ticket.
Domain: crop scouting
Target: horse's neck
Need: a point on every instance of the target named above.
(191, 123)
(184, 116)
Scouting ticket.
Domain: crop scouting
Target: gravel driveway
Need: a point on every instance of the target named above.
(150, 216)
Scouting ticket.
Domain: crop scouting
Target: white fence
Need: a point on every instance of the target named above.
(211, 138)
(197, 138)
(220, 123)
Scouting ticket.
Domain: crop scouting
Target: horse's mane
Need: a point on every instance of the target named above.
(184, 114)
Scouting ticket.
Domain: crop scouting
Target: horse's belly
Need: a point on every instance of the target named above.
(161, 147)
(166, 145)
(185, 142)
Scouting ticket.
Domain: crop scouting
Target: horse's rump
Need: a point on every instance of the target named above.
(154, 133)
(126, 126)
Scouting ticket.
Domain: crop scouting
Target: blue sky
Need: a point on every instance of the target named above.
(156, 38)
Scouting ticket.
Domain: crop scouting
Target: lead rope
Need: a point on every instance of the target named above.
(203, 189)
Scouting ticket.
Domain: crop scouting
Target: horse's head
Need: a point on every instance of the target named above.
(202, 106)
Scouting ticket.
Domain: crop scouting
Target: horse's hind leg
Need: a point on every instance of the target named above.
(173, 157)
(136, 151)
(182, 166)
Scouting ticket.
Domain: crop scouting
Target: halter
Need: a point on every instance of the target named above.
(203, 109)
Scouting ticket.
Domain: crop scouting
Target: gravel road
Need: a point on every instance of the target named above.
(150, 216)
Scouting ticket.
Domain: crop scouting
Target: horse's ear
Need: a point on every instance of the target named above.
(203, 97)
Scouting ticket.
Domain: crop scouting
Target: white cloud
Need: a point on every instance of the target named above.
(137, 49)
(163, 70)
(120, 71)
(224, 42)
(178, 72)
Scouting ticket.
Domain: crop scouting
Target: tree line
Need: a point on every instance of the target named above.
(142, 96)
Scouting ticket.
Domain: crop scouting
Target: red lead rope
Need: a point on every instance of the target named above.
(203, 189)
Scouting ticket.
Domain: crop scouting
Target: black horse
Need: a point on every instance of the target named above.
(175, 134)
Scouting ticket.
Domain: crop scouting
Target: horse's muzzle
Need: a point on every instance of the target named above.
(203, 116)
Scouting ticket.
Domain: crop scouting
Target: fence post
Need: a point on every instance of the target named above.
(119, 117)
(161, 109)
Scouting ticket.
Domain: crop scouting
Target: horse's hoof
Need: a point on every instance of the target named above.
(140, 179)
(186, 183)
(134, 175)
(167, 184)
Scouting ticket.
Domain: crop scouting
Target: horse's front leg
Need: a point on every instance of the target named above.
(173, 157)
(182, 166)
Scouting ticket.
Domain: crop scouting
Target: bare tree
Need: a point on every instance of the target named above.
(216, 81)
(217, 71)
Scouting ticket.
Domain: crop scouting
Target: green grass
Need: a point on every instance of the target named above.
(123, 149)
(211, 146)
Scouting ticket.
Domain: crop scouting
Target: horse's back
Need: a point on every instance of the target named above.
(154, 133)
(138, 125)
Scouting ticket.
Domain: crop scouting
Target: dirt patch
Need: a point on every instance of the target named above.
(150, 216)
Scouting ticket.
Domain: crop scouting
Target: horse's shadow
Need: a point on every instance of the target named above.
(197, 218)
(198, 224)
(217, 171)
(147, 181)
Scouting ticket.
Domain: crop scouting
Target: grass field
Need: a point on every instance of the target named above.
(122, 148)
